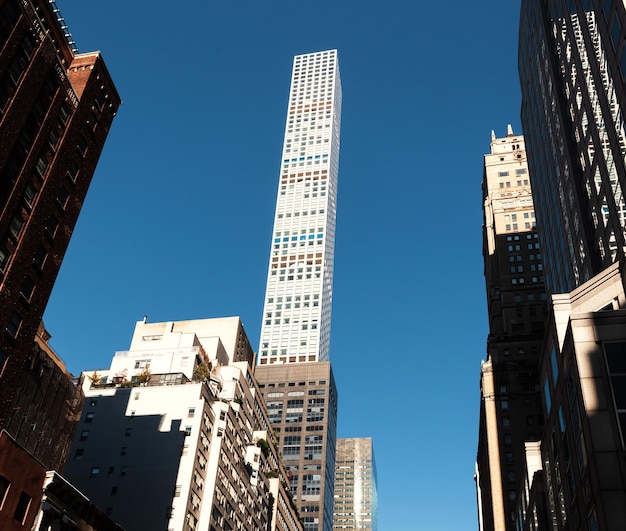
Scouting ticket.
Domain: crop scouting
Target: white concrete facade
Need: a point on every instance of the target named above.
(298, 299)
(180, 450)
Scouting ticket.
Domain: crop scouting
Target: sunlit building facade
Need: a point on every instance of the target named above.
(174, 434)
(294, 371)
(356, 493)
(510, 406)
(298, 298)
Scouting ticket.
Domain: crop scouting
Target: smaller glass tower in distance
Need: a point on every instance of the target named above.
(356, 497)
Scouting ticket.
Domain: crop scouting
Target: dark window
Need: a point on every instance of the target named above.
(14, 324)
(63, 197)
(4, 257)
(22, 508)
(82, 146)
(4, 488)
(64, 114)
(29, 195)
(16, 225)
(40, 258)
(28, 286)
(72, 171)
(51, 226)
(41, 166)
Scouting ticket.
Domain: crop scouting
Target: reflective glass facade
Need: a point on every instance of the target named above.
(356, 493)
(573, 91)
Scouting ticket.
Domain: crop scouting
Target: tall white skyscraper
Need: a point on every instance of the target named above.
(298, 298)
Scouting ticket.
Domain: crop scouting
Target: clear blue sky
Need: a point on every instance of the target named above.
(178, 220)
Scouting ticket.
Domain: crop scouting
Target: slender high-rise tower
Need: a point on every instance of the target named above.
(294, 373)
(510, 406)
(296, 316)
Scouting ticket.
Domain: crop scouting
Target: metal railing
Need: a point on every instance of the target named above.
(64, 27)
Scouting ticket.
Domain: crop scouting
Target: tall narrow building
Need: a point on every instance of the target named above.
(510, 407)
(294, 371)
(298, 297)
(572, 64)
(56, 108)
(356, 492)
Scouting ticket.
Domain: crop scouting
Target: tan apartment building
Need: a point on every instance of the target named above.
(510, 407)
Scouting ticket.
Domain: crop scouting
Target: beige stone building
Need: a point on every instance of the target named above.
(510, 407)
(583, 374)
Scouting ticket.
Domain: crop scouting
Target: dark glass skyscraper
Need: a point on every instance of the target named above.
(572, 64)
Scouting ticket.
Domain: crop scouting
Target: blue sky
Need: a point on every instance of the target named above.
(178, 220)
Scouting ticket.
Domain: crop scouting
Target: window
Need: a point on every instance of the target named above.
(95, 472)
(51, 226)
(63, 197)
(28, 287)
(16, 225)
(82, 146)
(616, 362)
(4, 488)
(84, 435)
(89, 417)
(4, 258)
(29, 195)
(40, 258)
(22, 508)
(72, 171)
(14, 324)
